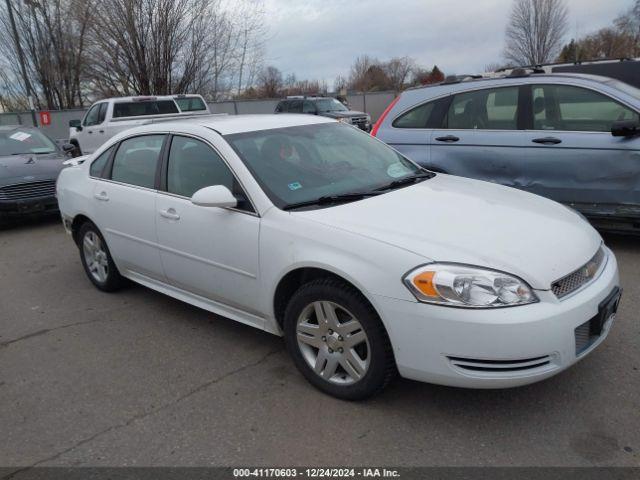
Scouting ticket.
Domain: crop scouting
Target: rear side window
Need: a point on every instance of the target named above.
(490, 109)
(136, 160)
(97, 166)
(416, 117)
(575, 109)
(139, 109)
(191, 104)
(308, 107)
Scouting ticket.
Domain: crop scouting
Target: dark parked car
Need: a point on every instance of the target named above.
(326, 107)
(29, 166)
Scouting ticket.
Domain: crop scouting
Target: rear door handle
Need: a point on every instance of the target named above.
(448, 139)
(547, 140)
(170, 213)
(100, 131)
(102, 196)
(89, 131)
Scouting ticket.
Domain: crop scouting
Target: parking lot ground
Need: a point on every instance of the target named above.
(136, 378)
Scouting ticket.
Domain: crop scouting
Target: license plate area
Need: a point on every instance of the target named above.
(590, 331)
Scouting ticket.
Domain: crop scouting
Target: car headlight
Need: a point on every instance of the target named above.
(458, 285)
(345, 120)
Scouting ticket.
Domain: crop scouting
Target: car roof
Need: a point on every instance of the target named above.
(6, 128)
(149, 97)
(230, 124)
(525, 78)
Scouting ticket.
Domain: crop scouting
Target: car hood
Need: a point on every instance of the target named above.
(456, 219)
(343, 114)
(21, 168)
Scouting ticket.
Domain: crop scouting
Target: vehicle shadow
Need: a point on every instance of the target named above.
(29, 221)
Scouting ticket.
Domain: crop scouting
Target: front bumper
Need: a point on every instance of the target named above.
(495, 348)
(11, 208)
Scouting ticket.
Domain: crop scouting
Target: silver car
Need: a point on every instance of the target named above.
(570, 137)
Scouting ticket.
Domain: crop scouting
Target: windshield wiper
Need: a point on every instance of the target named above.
(328, 199)
(424, 175)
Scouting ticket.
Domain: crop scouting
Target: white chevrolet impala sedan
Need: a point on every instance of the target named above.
(367, 264)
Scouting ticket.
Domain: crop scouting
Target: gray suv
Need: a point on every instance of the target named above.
(570, 137)
(327, 107)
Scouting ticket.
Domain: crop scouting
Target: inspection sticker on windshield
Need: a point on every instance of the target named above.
(397, 169)
(20, 136)
(295, 186)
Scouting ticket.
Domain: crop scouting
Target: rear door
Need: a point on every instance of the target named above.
(572, 156)
(480, 136)
(125, 204)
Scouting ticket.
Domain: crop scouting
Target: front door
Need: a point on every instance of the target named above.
(211, 252)
(572, 156)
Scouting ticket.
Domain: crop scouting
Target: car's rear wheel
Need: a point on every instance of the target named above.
(96, 259)
(337, 340)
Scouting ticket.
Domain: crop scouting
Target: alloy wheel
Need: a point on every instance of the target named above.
(95, 257)
(333, 342)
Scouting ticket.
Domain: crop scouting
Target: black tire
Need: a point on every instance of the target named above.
(381, 369)
(114, 281)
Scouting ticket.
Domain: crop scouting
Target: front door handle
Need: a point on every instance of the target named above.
(547, 140)
(448, 139)
(102, 196)
(100, 131)
(170, 213)
(89, 131)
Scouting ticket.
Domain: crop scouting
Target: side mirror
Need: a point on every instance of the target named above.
(68, 147)
(625, 128)
(77, 124)
(214, 196)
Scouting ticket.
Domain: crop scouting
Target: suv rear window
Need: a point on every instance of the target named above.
(191, 104)
(139, 109)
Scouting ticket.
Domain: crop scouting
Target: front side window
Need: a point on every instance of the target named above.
(490, 109)
(97, 166)
(304, 163)
(194, 165)
(144, 107)
(93, 116)
(576, 109)
(415, 118)
(136, 160)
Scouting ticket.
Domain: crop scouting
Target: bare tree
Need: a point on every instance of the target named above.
(535, 31)
(398, 71)
(53, 37)
(252, 31)
(270, 82)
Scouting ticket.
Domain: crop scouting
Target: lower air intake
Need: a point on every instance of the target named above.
(500, 366)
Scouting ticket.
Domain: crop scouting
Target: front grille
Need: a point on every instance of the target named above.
(360, 122)
(500, 366)
(24, 191)
(579, 278)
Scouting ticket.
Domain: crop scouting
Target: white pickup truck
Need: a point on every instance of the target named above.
(110, 116)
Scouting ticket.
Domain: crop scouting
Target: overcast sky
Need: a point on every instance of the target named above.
(318, 39)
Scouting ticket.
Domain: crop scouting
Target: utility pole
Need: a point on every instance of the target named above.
(27, 83)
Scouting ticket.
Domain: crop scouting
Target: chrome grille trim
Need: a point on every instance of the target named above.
(23, 191)
(500, 366)
(580, 277)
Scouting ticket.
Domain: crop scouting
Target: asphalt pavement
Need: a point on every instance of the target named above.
(138, 379)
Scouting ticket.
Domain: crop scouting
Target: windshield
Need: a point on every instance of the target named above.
(625, 87)
(25, 140)
(330, 105)
(305, 163)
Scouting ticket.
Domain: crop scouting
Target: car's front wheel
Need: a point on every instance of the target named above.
(96, 259)
(337, 340)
